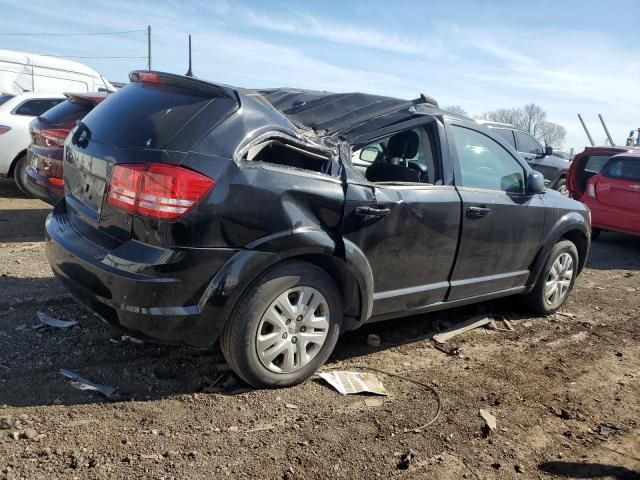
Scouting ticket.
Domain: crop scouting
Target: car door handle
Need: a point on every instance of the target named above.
(477, 212)
(373, 211)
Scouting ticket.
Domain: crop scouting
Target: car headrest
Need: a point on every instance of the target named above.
(403, 145)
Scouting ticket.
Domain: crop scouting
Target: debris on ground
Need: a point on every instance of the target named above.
(291, 406)
(490, 422)
(223, 383)
(82, 383)
(347, 383)
(373, 340)
(373, 402)
(406, 459)
(130, 339)
(452, 350)
(50, 321)
(457, 329)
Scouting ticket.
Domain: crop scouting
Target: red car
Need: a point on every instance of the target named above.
(613, 195)
(48, 133)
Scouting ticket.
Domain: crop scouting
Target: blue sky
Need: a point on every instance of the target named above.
(568, 56)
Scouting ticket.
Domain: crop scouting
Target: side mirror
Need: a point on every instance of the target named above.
(548, 151)
(535, 183)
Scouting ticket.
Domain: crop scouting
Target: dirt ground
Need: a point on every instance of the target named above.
(565, 391)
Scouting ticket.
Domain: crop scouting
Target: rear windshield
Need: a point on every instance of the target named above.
(65, 112)
(4, 98)
(141, 115)
(596, 162)
(623, 169)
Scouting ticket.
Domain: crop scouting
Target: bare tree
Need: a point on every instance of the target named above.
(551, 134)
(533, 118)
(457, 109)
(512, 116)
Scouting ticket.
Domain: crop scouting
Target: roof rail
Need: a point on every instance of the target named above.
(491, 123)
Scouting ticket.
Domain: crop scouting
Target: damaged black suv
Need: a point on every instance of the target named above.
(273, 220)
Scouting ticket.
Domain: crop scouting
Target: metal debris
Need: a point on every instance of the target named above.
(82, 383)
(50, 321)
(489, 419)
(406, 459)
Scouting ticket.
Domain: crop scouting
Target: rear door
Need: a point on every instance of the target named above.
(618, 193)
(408, 230)
(502, 226)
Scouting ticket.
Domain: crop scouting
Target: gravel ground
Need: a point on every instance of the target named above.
(564, 390)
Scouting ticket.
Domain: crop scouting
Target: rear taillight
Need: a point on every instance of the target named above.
(591, 190)
(55, 136)
(4, 129)
(149, 77)
(158, 191)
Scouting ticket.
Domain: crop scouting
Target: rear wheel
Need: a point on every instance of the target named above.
(285, 327)
(20, 174)
(556, 279)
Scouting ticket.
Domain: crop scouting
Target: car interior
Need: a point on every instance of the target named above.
(404, 157)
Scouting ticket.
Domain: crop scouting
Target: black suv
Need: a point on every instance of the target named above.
(276, 219)
(542, 159)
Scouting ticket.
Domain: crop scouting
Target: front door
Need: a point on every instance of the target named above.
(408, 230)
(502, 227)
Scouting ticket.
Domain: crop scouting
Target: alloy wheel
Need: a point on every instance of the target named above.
(559, 279)
(293, 329)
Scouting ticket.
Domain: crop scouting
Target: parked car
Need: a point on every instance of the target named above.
(16, 112)
(195, 212)
(588, 163)
(26, 72)
(554, 168)
(613, 195)
(44, 178)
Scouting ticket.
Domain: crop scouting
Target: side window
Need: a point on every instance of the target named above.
(528, 144)
(408, 156)
(35, 108)
(506, 134)
(485, 164)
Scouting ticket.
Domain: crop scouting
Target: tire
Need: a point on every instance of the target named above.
(261, 317)
(20, 174)
(561, 187)
(595, 232)
(537, 299)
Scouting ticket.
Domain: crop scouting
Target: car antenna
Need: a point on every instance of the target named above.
(606, 130)
(586, 130)
(190, 72)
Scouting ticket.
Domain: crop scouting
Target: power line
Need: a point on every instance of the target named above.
(70, 34)
(80, 56)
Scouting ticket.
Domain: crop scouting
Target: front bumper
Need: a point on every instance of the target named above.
(163, 295)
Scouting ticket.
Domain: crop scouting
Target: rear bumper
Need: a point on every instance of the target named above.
(41, 188)
(174, 296)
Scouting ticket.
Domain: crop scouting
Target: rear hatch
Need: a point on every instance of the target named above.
(619, 185)
(49, 131)
(149, 121)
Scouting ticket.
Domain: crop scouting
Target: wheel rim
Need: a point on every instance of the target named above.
(559, 279)
(564, 191)
(293, 329)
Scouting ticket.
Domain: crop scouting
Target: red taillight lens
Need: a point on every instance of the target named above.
(163, 192)
(4, 129)
(55, 136)
(148, 77)
(58, 182)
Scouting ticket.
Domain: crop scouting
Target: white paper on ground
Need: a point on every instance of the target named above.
(354, 382)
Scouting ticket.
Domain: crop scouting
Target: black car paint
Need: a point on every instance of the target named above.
(177, 282)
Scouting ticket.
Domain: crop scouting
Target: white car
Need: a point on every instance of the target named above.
(16, 113)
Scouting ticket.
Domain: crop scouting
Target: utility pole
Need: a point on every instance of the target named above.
(149, 46)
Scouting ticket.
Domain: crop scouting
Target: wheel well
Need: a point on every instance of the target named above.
(14, 161)
(346, 282)
(579, 239)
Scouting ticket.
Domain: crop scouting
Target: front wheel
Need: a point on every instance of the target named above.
(556, 279)
(284, 327)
